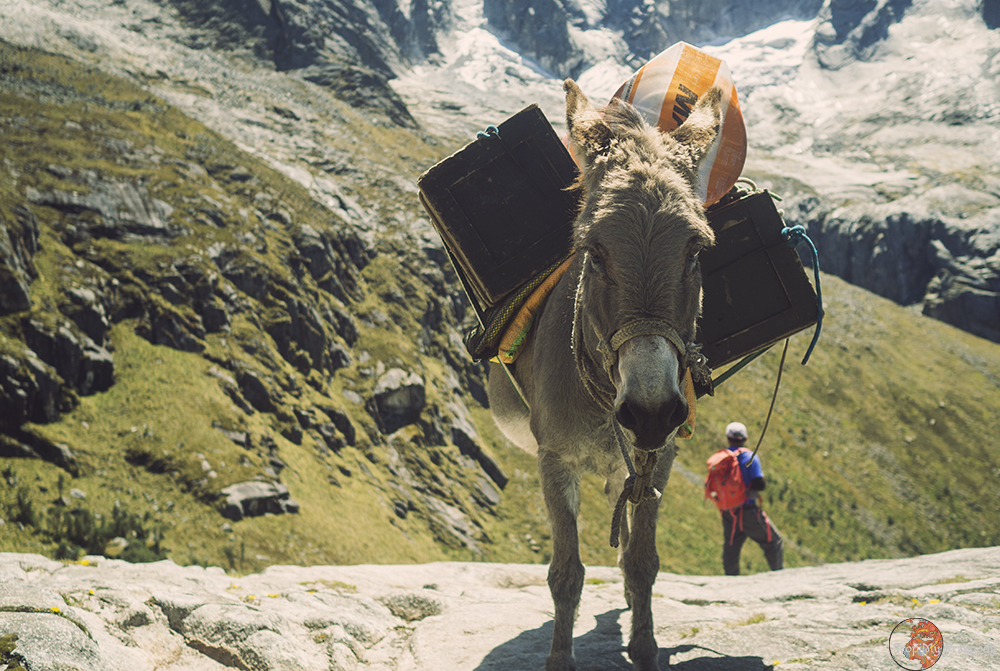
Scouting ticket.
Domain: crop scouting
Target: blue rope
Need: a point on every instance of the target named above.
(795, 235)
(491, 131)
(732, 370)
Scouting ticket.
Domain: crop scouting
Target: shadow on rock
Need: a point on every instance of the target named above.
(717, 662)
(603, 649)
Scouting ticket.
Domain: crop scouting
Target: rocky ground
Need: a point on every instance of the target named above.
(111, 615)
(207, 200)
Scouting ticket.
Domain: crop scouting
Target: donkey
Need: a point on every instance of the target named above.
(602, 373)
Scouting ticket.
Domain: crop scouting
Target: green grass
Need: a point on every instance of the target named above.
(882, 446)
(756, 618)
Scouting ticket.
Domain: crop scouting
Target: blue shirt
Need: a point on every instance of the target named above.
(749, 471)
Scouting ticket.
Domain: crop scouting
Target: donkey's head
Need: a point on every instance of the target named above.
(641, 228)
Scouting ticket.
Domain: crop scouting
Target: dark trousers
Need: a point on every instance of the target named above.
(750, 521)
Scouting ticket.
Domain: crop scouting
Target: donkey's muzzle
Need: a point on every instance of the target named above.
(649, 403)
(651, 425)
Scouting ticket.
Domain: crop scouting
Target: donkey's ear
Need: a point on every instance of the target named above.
(702, 126)
(591, 137)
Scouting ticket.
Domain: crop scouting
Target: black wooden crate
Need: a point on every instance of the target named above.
(756, 290)
(501, 206)
(505, 213)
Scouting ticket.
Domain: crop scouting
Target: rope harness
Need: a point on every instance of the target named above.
(494, 337)
(638, 485)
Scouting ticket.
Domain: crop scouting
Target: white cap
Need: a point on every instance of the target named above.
(736, 431)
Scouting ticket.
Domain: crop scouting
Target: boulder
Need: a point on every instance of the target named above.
(30, 391)
(255, 391)
(297, 330)
(52, 642)
(246, 274)
(330, 436)
(398, 399)
(241, 438)
(466, 439)
(252, 499)
(328, 262)
(85, 308)
(163, 325)
(18, 243)
(124, 209)
(83, 365)
(214, 315)
(240, 636)
(27, 445)
(342, 422)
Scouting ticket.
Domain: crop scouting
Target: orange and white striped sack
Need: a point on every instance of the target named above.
(665, 90)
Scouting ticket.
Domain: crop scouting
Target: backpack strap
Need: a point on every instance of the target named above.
(732, 511)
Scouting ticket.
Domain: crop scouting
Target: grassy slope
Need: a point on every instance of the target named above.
(881, 446)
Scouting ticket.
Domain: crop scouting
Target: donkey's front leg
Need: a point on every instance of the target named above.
(561, 488)
(640, 563)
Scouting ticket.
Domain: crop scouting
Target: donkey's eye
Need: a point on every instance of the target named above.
(596, 261)
(692, 261)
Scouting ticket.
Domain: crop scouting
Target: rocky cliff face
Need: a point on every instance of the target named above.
(914, 255)
(130, 230)
(884, 150)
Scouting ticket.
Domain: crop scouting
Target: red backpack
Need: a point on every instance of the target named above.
(724, 484)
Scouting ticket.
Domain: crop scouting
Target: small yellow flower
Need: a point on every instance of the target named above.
(91, 592)
(84, 562)
(934, 601)
(55, 609)
(915, 602)
(863, 602)
(274, 596)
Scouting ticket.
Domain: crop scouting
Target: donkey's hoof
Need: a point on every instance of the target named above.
(644, 657)
(560, 662)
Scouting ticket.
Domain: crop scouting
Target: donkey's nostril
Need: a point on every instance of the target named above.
(651, 427)
(626, 417)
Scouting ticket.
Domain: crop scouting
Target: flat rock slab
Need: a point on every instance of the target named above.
(112, 615)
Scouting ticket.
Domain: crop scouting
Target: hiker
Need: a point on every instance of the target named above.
(741, 514)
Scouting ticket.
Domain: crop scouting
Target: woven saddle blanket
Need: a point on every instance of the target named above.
(505, 326)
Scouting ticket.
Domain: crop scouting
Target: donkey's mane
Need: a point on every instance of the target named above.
(642, 143)
(621, 114)
(639, 172)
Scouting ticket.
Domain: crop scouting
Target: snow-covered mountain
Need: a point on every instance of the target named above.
(877, 120)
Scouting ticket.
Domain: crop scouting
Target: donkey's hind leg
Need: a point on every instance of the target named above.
(640, 563)
(561, 488)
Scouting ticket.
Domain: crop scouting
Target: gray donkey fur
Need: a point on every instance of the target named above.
(637, 236)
